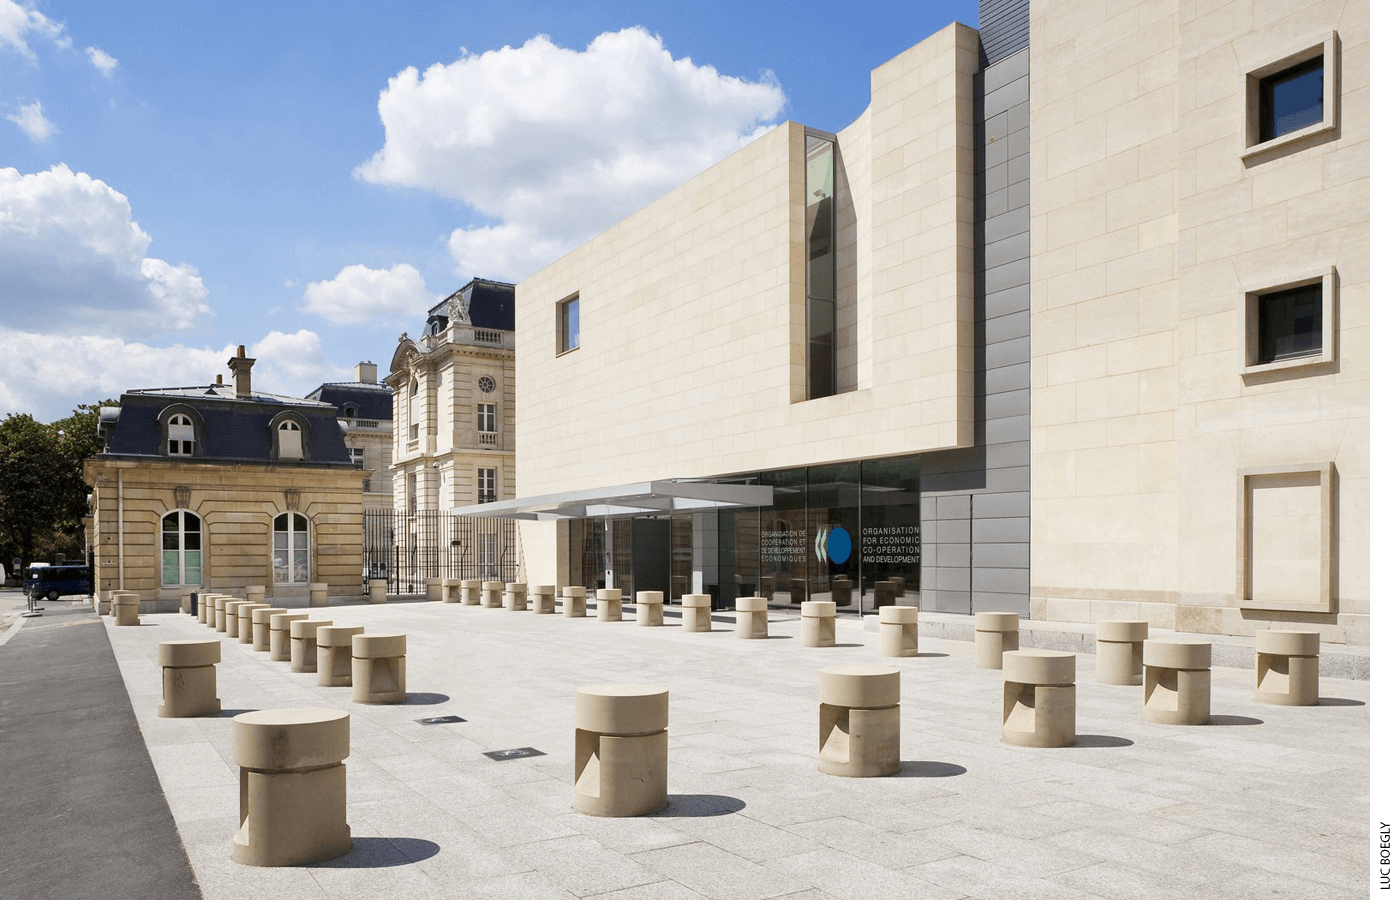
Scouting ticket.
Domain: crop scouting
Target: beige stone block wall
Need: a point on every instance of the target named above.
(692, 335)
(1143, 193)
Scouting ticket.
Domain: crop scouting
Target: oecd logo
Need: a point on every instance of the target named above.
(833, 545)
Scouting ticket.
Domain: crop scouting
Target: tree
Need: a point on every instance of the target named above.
(43, 498)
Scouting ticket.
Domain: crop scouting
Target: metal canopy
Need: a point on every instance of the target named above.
(645, 498)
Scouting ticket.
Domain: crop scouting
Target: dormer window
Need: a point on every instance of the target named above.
(179, 436)
(289, 440)
(349, 412)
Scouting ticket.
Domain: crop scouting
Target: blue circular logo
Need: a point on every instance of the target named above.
(838, 545)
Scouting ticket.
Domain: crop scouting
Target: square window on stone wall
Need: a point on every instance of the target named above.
(1291, 98)
(1289, 324)
(1284, 542)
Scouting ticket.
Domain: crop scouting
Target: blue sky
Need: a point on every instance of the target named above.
(306, 178)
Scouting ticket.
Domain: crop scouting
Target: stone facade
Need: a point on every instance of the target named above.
(179, 508)
(366, 412)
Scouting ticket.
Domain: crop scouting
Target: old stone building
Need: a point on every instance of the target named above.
(217, 487)
(366, 412)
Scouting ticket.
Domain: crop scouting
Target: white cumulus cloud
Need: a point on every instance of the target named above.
(101, 60)
(556, 144)
(32, 122)
(75, 261)
(359, 294)
(48, 375)
(19, 23)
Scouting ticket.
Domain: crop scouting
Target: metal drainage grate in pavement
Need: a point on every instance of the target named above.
(440, 720)
(515, 753)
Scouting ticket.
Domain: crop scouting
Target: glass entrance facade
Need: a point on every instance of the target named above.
(847, 532)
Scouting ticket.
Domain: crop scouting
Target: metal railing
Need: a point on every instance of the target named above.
(405, 549)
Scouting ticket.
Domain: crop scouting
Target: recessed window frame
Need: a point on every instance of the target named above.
(1327, 48)
(486, 418)
(185, 540)
(291, 548)
(1325, 473)
(1250, 303)
(486, 485)
(567, 339)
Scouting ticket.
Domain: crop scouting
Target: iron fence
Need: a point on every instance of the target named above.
(406, 548)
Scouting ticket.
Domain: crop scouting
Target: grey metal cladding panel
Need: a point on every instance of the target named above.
(1002, 456)
(954, 531)
(1009, 478)
(1008, 403)
(1005, 98)
(1012, 274)
(1003, 556)
(1018, 169)
(953, 555)
(1012, 505)
(994, 126)
(989, 602)
(1018, 117)
(956, 579)
(996, 228)
(1013, 248)
(994, 179)
(1018, 143)
(956, 507)
(1018, 65)
(952, 601)
(928, 510)
(1004, 303)
(1004, 328)
(996, 203)
(1001, 531)
(1014, 352)
(1004, 26)
(995, 152)
(1008, 378)
(1008, 430)
(1001, 581)
(941, 462)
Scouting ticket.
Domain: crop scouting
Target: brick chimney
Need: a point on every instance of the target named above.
(242, 368)
(366, 373)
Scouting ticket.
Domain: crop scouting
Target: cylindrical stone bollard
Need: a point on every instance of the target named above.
(996, 633)
(899, 631)
(695, 612)
(303, 631)
(492, 594)
(516, 596)
(1037, 701)
(377, 664)
(231, 608)
(575, 601)
(885, 594)
(189, 684)
(378, 590)
(818, 623)
(279, 634)
(1286, 667)
(291, 786)
(650, 606)
(104, 604)
(751, 617)
(217, 602)
(609, 601)
(126, 608)
(319, 591)
(1118, 651)
(433, 589)
(204, 607)
(858, 721)
(471, 592)
(245, 621)
(542, 599)
(1176, 682)
(262, 626)
(452, 590)
(620, 749)
(333, 654)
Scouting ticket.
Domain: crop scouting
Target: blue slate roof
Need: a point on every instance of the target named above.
(490, 304)
(370, 401)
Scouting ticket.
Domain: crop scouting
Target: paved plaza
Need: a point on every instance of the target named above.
(1264, 802)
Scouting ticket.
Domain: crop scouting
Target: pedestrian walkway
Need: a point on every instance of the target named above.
(1265, 801)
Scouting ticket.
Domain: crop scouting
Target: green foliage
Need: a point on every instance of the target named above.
(42, 494)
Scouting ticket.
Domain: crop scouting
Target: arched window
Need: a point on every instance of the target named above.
(291, 549)
(349, 412)
(288, 440)
(181, 556)
(179, 433)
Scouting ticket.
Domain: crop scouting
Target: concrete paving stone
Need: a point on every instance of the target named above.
(985, 843)
(507, 825)
(583, 866)
(848, 875)
(745, 837)
(630, 834)
(871, 843)
(1301, 864)
(719, 874)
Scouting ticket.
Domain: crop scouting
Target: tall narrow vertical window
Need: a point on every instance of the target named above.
(413, 410)
(291, 549)
(486, 417)
(568, 324)
(821, 267)
(180, 436)
(486, 485)
(357, 456)
(181, 556)
(289, 440)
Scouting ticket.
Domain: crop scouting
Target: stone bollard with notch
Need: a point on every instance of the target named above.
(377, 664)
(1176, 682)
(189, 684)
(1286, 667)
(262, 626)
(333, 654)
(245, 621)
(751, 617)
(695, 612)
(858, 721)
(303, 632)
(492, 593)
(575, 605)
(471, 592)
(516, 596)
(620, 750)
(1118, 651)
(609, 604)
(433, 589)
(231, 608)
(996, 633)
(818, 623)
(126, 608)
(279, 634)
(1037, 700)
(650, 608)
(899, 631)
(378, 590)
(542, 599)
(452, 590)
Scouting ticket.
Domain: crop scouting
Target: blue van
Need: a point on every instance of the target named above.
(52, 582)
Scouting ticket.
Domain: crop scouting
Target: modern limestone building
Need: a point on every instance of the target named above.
(1071, 322)
(365, 409)
(217, 487)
